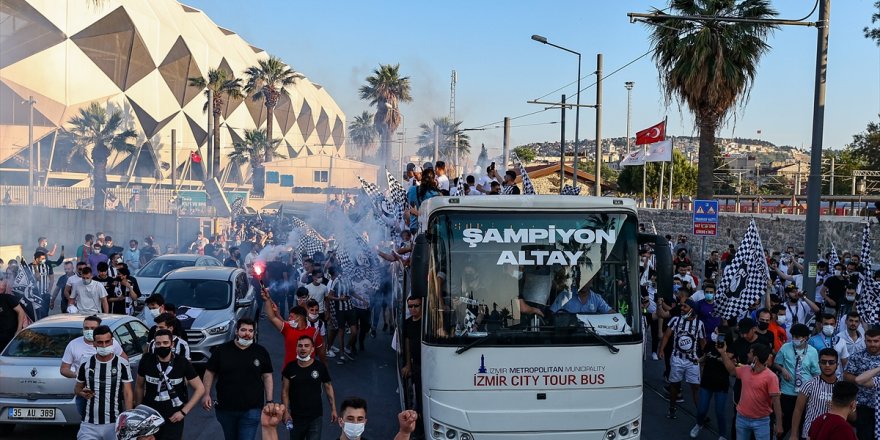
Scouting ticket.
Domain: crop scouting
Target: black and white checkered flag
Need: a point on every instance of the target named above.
(568, 190)
(745, 279)
(396, 196)
(237, 207)
(868, 302)
(470, 322)
(834, 259)
(528, 188)
(459, 186)
(507, 189)
(305, 239)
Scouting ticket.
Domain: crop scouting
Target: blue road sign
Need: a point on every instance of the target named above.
(705, 211)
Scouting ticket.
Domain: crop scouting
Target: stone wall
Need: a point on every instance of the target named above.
(777, 231)
(68, 227)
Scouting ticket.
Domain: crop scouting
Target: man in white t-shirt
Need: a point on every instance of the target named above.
(317, 290)
(80, 350)
(74, 280)
(486, 181)
(440, 172)
(89, 297)
(471, 189)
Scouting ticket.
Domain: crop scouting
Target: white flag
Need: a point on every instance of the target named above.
(637, 157)
(660, 151)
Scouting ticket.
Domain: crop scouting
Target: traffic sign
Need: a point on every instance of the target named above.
(706, 217)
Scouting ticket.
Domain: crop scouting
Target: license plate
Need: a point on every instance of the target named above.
(32, 413)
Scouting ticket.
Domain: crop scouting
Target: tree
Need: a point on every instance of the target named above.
(448, 131)
(483, 158)
(223, 87)
(255, 150)
(710, 65)
(95, 135)
(865, 146)
(362, 133)
(386, 89)
(874, 34)
(525, 154)
(684, 180)
(608, 174)
(267, 81)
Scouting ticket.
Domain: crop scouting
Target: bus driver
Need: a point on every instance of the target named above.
(586, 301)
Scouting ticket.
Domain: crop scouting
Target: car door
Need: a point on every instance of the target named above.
(131, 345)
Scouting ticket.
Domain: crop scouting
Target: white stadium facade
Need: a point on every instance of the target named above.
(136, 56)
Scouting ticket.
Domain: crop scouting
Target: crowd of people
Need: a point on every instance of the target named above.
(804, 364)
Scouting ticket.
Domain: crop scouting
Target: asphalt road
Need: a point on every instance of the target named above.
(372, 377)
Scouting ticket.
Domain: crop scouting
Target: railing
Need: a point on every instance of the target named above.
(156, 201)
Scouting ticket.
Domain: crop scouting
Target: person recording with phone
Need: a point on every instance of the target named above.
(714, 382)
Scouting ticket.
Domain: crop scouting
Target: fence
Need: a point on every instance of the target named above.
(129, 199)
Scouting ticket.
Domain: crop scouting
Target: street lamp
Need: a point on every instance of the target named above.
(403, 125)
(577, 115)
(629, 86)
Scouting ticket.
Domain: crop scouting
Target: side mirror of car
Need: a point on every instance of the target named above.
(244, 302)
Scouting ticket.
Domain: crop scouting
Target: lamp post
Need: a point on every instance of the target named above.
(391, 108)
(577, 111)
(629, 87)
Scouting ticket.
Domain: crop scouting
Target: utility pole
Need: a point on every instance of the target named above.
(506, 151)
(629, 102)
(174, 159)
(831, 186)
(452, 116)
(209, 174)
(562, 147)
(436, 143)
(598, 172)
(31, 165)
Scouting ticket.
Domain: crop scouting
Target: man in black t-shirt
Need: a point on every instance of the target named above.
(833, 290)
(162, 380)
(301, 383)
(12, 318)
(243, 371)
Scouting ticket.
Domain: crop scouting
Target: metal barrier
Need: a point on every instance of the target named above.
(158, 201)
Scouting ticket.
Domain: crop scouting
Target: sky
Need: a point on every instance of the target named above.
(499, 67)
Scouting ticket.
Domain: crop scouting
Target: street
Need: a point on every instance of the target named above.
(372, 377)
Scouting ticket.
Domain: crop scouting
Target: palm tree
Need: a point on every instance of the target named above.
(95, 135)
(362, 133)
(710, 65)
(386, 89)
(267, 81)
(255, 150)
(447, 139)
(223, 87)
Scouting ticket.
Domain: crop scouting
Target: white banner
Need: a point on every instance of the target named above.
(635, 158)
(660, 151)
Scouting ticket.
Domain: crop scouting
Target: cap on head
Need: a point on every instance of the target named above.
(428, 166)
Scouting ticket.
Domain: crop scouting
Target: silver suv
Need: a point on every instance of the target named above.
(209, 301)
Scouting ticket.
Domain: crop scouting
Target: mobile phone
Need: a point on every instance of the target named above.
(720, 340)
(62, 248)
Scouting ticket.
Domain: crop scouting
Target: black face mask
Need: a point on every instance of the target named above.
(162, 351)
(763, 326)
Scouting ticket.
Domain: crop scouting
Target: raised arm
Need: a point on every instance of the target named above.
(272, 310)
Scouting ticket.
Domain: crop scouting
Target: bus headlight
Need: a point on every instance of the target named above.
(440, 431)
(629, 430)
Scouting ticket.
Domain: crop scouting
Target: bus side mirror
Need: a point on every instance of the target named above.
(662, 264)
(419, 267)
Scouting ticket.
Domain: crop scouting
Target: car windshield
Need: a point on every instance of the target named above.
(159, 267)
(196, 294)
(42, 342)
(532, 278)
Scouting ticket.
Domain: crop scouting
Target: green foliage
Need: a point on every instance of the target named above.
(525, 154)
(267, 81)
(709, 65)
(684, 180)
(386, 89)
(865, 147)
(255, 149)
(362, 132)
(608, 174)
(447, 139)
(874, 34)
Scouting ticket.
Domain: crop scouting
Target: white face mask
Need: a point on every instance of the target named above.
(353, 430)
(155, 312)
(828, 330)
(88, 334)
(714, 337)
(850, 298)
(245, 342)
(780, 319)
(303, 358)
(104, 351)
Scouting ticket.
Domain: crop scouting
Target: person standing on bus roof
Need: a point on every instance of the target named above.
(686, 331)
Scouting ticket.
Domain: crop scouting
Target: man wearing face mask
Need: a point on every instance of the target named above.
(162, 380)
(834, 288)
(798, 308)
(293, 329)
(243, 372)
(760, 393)
(59, 287)
(765, 336)
(705, 306)
(779, 324)
(89, 297)
(132, 255)
(686, 332)
(43, 276)
(234, 258)
(155, 306)
(79, 350)
(168, 322)
(828, 338)
(104, 381)
(353, 420)
(797, 362)
(302, 382)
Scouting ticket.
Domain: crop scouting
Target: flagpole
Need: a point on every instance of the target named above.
(644, 176)
(660, 192)
(671, 168)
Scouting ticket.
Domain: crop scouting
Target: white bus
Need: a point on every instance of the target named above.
(531, 317)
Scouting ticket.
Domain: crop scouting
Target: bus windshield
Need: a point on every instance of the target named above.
(532, 278)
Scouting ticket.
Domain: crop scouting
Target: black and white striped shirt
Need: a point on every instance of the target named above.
(686, 334)
(341, 287)
(41, 276)
(818, 394)
(179, 347)
(106, 380)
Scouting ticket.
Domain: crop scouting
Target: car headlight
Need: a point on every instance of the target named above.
(219, 329)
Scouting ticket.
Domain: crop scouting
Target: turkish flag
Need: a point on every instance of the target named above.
(196, 157)
(655, 133)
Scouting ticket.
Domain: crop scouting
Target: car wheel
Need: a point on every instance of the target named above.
(6, 429)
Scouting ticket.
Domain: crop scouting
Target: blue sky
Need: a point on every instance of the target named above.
(337, 44)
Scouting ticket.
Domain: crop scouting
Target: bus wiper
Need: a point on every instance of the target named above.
(611, 347)
(475, 342)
